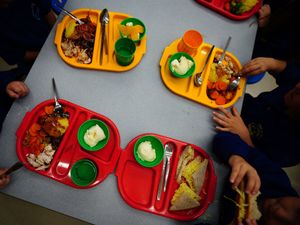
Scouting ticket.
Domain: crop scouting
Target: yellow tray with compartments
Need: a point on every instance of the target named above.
(113, 34)
(185, 87)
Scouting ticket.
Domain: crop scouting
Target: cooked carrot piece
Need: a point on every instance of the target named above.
(220, 100)
(33, 130)
(209, 85)
(49, 109)
(221, 86)
(214, 94)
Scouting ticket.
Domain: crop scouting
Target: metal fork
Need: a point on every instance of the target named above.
(57, 107)
(169, 153)
(70, 15)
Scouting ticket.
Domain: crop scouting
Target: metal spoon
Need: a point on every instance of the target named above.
(104, 19)
(198, 78)
(70, 15)
(234, 84)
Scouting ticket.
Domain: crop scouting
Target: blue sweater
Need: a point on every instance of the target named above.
(23, 28)
(270, 128)
(274, 181)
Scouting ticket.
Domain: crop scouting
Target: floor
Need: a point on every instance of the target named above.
(14, 211)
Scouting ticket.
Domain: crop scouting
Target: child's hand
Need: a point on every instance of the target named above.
(264, 14)
(5, 180)
(239, 169)
(262, 64)
(232, 122)
(17, 89)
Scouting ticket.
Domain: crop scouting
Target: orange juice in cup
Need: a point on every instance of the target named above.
(190, 42)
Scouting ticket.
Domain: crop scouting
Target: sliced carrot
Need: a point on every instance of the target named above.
(214, 94)
(221, 86)
(34, 129)
(220, 100)
(49, 109)
(209, 85)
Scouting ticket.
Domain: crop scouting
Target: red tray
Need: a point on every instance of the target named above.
(138, 185)
(69, 150)
(218, 6)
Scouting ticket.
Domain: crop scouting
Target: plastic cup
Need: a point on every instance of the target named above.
(190, 42)
(124, 50)
(84, 172)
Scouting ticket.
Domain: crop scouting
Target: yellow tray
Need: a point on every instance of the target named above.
(185, 86)
(113, 34)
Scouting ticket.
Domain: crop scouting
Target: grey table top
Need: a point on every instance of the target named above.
(137, 101)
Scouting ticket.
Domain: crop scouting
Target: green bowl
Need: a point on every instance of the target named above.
(84, 127)
(83, 172)
(177, 56)
(156, 144)
(134, 21)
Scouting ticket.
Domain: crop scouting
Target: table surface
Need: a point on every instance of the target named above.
(137, 101)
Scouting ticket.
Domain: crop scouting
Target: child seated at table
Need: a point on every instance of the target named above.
(25, 25)
(278, 202)
(271, 120)
(277, 36)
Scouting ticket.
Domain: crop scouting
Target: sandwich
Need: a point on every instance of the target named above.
(247, 207)
(190, 176)
(184, 198)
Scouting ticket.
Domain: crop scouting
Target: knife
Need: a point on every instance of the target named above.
(224, 51)
(13, 168)
(104, 18)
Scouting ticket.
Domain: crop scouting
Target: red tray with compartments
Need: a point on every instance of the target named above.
(69, 150)
(137, 185)
(218, 6)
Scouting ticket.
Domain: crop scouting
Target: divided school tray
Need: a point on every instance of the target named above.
(185, 87)
(112, 34)
(218, 6)
(137, 185)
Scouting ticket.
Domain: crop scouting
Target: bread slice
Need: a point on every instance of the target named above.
(247, 205)
(185, 157)
(199, 176)
(184, 198)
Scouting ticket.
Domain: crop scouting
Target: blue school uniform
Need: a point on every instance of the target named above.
(274, 181)
(271, 129)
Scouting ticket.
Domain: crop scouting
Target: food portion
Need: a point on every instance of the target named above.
(94, 135)
(146, 152)
(182, 65)
(44, 137)
(247, 207)
(219, 78)
(239, 7)
(131, 31)
(78, 40)
(190, 175)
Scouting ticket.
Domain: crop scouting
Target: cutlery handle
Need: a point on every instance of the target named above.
(161, 180)
(13, 168)
(167, 174)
